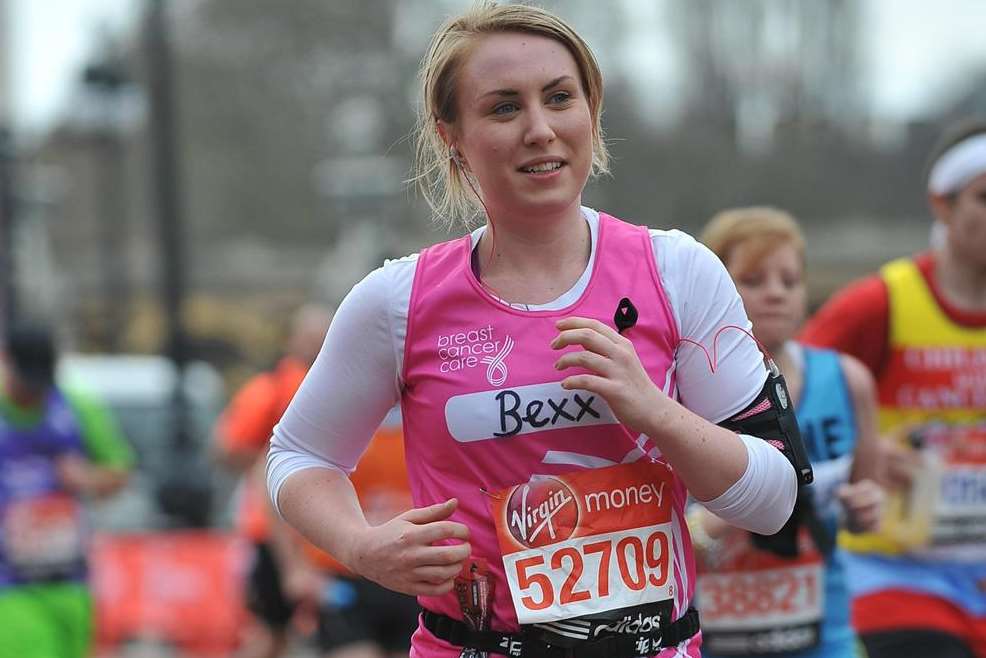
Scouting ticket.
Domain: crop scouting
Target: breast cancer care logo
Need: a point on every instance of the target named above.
(496, 372)
(542, 511)
(474, 348)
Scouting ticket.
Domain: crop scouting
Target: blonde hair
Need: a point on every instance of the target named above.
(763, 227)
(439, 177)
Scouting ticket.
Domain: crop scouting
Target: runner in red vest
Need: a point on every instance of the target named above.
(920, 326)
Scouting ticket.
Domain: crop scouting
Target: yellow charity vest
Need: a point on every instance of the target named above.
(932, 397)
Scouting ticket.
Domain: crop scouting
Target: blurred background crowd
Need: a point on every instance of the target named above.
(177, 177)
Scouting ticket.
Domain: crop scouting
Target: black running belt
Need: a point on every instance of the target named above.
(523, 645)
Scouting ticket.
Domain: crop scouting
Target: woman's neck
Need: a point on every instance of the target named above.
(789, 367)
(782, 357)
(535, 264)
(962, 283)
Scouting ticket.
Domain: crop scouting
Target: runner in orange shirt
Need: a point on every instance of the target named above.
(356, 617)
(241, 437)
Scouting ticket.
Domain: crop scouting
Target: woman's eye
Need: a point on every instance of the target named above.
(559, 97)
(505, 108)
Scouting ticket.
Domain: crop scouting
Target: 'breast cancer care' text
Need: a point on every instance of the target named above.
(588, 541)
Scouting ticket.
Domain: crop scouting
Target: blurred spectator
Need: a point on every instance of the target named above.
(242, 435)
(56, 448)
(920, 327)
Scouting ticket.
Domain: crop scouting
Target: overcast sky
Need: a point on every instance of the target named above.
(916, 51)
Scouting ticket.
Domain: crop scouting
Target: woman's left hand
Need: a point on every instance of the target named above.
(615, 372)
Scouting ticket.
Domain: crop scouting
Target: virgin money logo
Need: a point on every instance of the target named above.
(543, 511)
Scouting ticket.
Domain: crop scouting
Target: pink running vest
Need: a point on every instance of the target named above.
(484, 410)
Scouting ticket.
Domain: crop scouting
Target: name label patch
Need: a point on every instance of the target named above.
(521, 410)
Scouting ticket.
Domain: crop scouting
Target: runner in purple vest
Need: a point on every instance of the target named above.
(55, 448)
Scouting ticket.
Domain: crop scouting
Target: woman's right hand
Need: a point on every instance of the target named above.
(401, 554)
(863, 502)
(900, 463)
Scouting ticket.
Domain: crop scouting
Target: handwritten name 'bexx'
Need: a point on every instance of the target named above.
(539, 413)
(499, 414)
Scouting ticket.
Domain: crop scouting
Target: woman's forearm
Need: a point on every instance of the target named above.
(867, 456)
(418, 552)
(742, 479)
(322, 505)
(709, 459)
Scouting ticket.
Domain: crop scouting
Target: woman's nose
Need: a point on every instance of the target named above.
(539, 130)
(776, 288)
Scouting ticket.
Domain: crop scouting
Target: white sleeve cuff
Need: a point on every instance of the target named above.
(762, 499)
(282, 463)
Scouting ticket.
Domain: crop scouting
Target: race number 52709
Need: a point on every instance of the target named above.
(592, 574)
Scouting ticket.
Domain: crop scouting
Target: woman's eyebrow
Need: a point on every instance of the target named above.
(513, 92)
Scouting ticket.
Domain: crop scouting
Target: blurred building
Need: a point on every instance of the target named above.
(294, 137)
(6, 220)
(293, 129)
(5, 64)
(756, 67)
(970, 100)
(84, 181)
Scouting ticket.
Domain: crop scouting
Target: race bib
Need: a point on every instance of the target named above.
(960, 508)
(43, 537)
(754, 602)
(587, 542)
(945, 508)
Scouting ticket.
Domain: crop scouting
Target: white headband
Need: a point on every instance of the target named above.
(958, 165)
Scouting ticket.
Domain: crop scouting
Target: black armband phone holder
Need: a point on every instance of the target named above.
(771, 417)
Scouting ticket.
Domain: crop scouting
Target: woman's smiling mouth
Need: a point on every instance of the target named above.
(543, 167)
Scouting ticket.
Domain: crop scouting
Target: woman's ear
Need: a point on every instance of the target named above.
(445, 132)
